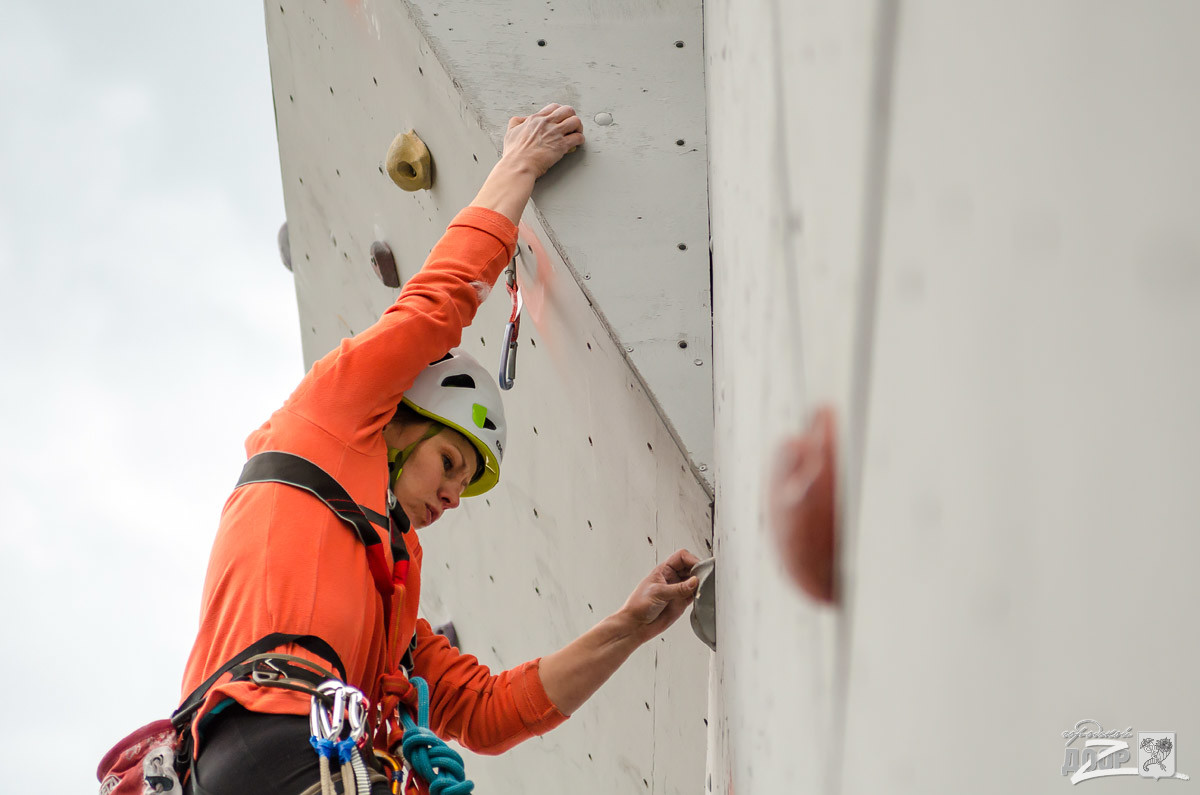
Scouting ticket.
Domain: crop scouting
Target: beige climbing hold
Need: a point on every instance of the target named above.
(409, 163)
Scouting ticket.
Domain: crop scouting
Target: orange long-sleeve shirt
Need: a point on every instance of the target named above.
(283, 562)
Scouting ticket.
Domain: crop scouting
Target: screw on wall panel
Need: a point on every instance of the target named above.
(703, 467)
(698, 362)
(589, 346)
(421, 71)
(375, 80)
(383, 262)
(291, 98)
(649, 447)
(629, 349)
(587, 276)
(590, 445)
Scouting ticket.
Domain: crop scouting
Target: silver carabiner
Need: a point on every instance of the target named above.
(508, 357)
(356, 713)
(327, 724)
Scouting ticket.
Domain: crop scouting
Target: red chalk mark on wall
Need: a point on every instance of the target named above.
(534, 290)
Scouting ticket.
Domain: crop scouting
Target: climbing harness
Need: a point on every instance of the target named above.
(508, 351)
(326, 722)
(336, 708)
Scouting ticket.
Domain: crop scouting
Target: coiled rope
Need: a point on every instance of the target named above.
(439, 765)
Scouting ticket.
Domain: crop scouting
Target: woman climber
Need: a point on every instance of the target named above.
(406, 440)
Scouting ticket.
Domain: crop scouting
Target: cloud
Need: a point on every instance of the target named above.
(148, 327)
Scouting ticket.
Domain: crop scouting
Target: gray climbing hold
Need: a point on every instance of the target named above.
(704, 609)
(285, 247)
(448, 632)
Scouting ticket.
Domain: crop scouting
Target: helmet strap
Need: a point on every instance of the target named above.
(398, 458)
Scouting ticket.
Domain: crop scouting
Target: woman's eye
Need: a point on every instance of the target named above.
(447, 463)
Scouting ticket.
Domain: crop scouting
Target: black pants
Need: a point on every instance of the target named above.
(247, 752)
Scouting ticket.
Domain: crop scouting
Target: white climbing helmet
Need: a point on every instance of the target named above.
(457, 392)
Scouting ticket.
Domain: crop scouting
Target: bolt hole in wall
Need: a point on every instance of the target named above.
(679, 44)
(541, 42)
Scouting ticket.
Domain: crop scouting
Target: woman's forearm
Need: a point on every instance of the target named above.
(573, 673)
(507, 189)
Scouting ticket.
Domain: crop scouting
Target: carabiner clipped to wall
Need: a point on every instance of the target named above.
(508, 351)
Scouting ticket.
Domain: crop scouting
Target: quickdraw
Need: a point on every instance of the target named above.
(325, 722)
(508, 351)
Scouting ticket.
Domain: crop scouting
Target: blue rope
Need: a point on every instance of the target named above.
(433, 760)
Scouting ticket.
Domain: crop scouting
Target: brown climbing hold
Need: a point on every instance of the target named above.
(384, 264)
(409, 163)
(802, 506)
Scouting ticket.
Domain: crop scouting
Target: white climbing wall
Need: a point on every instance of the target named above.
(607, 469)
(972, 227)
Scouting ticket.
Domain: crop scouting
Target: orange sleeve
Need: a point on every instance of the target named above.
(353, 390)
(483, 712)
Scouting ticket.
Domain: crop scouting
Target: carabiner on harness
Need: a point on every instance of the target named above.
(508, 351)
(326, 724)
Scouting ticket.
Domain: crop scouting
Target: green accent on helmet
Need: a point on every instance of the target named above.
(479, 414)
(398, 458)
(491, 464)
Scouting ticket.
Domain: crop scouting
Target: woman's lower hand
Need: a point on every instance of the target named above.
(661, 597)
(539, 141)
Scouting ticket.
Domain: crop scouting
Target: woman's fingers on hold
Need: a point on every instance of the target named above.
(562, 113)
(572, 124)
(546, 111)
(515, 120)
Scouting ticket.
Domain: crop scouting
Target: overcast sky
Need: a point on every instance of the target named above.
(149, 326)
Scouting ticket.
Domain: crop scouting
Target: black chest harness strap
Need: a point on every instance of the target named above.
(253, 662)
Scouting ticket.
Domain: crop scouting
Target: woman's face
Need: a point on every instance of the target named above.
(435, 475)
